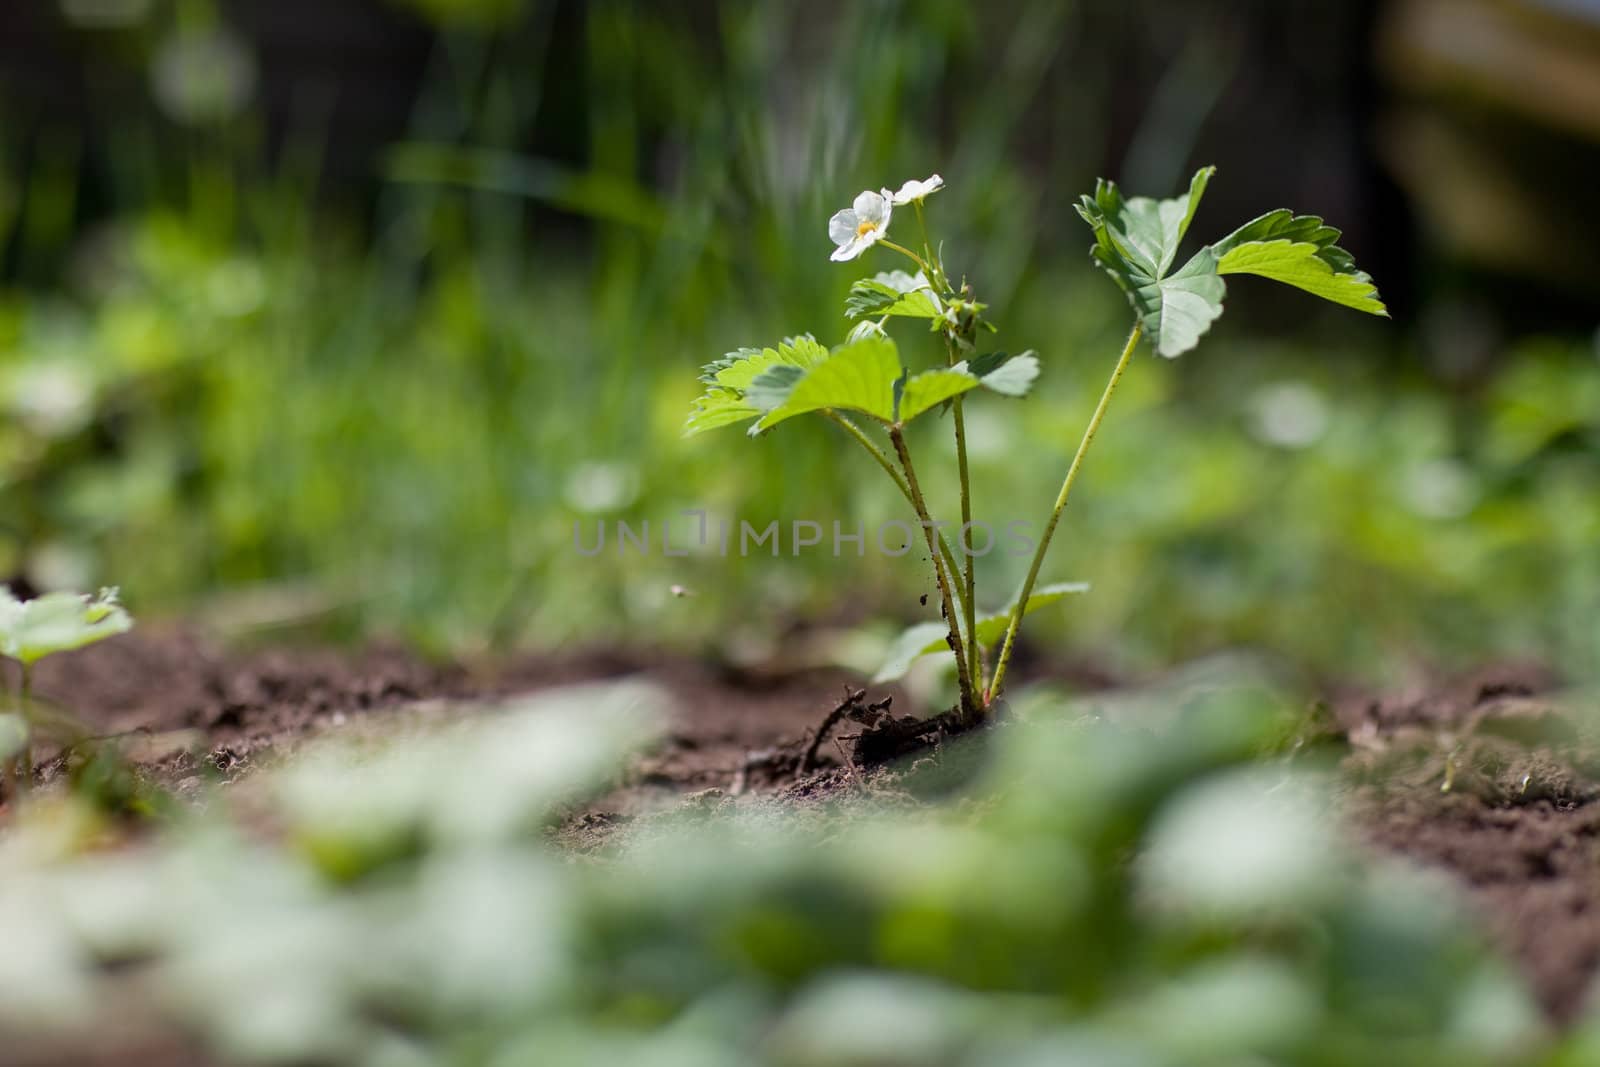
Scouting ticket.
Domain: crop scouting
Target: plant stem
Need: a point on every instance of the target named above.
(969, 703)
(25, 757)
(8, 769)
(927, 250)
(1021, 605)
(964, 539)
(899, 479)
(904, 251)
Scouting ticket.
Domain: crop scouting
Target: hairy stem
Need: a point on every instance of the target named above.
(904, 251)
(969, 578)
(25, 757)
(1021, 605)
(899, 479)
(8, 769)
(932, 258)
(945, 578)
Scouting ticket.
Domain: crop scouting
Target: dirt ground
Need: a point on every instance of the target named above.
(1484, 779)
(1495, 783)
(190, 712)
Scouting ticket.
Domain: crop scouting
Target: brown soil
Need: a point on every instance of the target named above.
(189, 711)
(1516, 825)
(1495, 786)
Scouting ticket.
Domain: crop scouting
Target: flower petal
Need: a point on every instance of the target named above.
(873, 207)
(842, 227)
(858, 244)
(914, 190)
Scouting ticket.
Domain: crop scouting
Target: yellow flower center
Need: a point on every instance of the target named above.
(866, 228)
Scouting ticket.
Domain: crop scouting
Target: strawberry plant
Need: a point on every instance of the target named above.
(30, 630)
(866, 388)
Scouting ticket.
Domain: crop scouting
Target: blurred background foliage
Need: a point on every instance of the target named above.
(345, 313)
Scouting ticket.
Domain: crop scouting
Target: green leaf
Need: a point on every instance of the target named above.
(1282, 225)
(1006, 374)
(991, 628)
(930, 638)
(717, 408)
(1191, 202)
(739, 368)
(1178, 310)
(931, 388)
(869, 299)
(772, 387)
(57, 622)
(1157, 227)
(711, 373)
(913, 643)
(1299, 250)
(1136, 242)
(733, 396)
(896, 293)
(1141, 233)
(860, 376)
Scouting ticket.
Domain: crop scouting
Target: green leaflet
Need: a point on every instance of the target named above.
(773, 386)
(739, 368)
(1299, 250)
(1136, 242)
(860, 376)
(1142, 235)
(871, 297)
(1005, 374)
(999, 373)
(929, 638)
(1157, 227)
(914, 642)
(991, 628)
(931, 388)
(712, 372)
(1178, 310)
(1285, 225)
(732, 395)
(57, 622)
(717, 408)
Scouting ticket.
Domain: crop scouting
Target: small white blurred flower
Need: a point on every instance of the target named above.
(54, 398)
(203, 76)
(860, 226)
(913, 190)
(1289, 415)
(596, 487)
(1440, 489)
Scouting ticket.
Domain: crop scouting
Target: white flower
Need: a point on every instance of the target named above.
(859, 227)
(913, 190)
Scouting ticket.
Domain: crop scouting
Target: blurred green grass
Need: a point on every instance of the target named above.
(224, 387)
